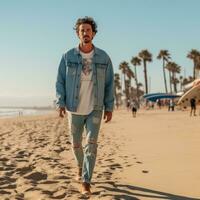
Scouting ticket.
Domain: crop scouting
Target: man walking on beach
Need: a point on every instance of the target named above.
(85, 88)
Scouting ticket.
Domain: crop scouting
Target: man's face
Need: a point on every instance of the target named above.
(85, 33)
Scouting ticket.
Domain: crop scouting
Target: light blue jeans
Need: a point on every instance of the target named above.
(86, 156)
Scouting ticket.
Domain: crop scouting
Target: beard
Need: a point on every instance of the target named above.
(87, 40)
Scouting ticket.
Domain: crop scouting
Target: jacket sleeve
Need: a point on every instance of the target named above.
(60, 84)
(109, 88)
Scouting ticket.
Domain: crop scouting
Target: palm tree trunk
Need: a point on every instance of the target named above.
(116, 97)
(170, 82)
(181, 85)
(174, 83)
(164, 74)
(121, 84)
(136, 81)
(125, 86)
(194, 77)
(129, 89)
(145, 77)
(175, 87)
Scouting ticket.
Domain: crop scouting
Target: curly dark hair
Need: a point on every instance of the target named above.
(86, 20)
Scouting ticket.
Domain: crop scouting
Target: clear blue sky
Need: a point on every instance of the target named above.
(34, 35)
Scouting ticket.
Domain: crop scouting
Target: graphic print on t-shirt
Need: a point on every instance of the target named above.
(87, 66)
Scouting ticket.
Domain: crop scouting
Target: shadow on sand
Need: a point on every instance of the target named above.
(128, 192)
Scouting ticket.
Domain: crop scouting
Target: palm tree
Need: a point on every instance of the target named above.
(185, 82)
(117, 88)
(130, 75)
(169, 67)
(181, 82)
(127, 72)
(136, 62)
(146, 56)
(176, 70)
(175, 81)
(165, 56)
(173, 69)
(195, 56)
(140, 91)
(190, 79)
(123, 67)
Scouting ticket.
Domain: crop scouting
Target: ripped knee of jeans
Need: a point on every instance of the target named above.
(91, 141)
(91, 147)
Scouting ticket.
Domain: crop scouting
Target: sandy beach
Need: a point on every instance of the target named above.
(152, 156)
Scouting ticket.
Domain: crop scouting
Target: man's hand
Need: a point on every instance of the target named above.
(62, 112)
(107, 116)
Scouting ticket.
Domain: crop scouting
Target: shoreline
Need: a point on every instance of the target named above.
(12, 112)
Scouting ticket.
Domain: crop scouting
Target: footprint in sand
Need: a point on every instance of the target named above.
(107, 173)
(36, 176)
(7, 147)
(48, 182)
(24, 170)
(9, 167)
(115, 166)
(19, 196)
(68, 142)
(22, 156)
(99, 175)
(58, 149)
(4, 192)
(59, 194)
(9, 186)
(10, 173)
(7, 183)
(110, 160)
(32, 189)
(61, 177)
(3, 159)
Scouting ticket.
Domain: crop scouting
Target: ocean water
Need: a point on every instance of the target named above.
(13, 112)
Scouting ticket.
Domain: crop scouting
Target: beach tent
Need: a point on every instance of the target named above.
(155, 97)
(194, 92)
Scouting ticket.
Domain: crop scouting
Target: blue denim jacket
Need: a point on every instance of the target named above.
(68, 80)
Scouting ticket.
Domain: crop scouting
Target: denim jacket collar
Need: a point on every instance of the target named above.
(77, 51)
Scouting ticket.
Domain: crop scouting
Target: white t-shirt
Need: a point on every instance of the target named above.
(86, 95)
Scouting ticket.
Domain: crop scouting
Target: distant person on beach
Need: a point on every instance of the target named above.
(128, 104)
(85, 88)
(171, 105)
(159, 103)
(193, 106)
(133, 107)
(20, 113)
